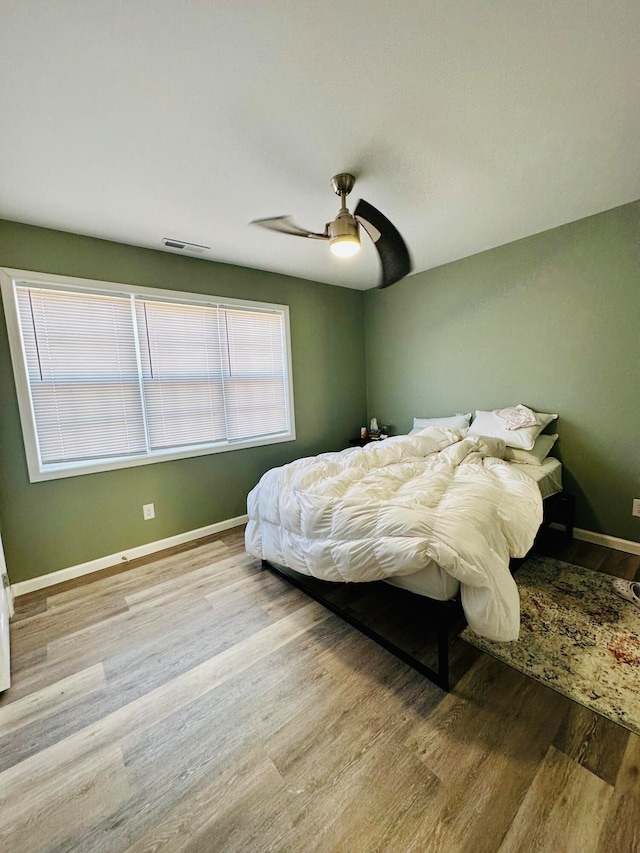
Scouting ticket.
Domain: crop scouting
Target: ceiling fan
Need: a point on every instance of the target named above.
(343, 233)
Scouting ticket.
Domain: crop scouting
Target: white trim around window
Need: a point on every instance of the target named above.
(170, 375)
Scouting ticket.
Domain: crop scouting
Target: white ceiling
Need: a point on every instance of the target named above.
(469, 124)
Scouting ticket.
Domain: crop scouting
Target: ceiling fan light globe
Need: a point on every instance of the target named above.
(345, 246)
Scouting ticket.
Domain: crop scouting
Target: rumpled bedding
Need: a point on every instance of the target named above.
(388, 508)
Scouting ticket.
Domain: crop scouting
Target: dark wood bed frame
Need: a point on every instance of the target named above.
(558, 509)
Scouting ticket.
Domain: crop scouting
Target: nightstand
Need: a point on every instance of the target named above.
(359, 442)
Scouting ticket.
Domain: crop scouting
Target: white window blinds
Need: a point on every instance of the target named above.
(181, 373)
(211, 373)
(81, 362)
(255, 378)
(125, 377)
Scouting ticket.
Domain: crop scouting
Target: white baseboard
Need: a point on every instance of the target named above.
(33, 584)
(626, 545)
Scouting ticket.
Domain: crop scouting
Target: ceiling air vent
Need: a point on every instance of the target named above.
(181, 246)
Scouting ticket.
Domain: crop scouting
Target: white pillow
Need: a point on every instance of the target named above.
(488, 424)
(541, 450)
(453, 422)
(516, 417)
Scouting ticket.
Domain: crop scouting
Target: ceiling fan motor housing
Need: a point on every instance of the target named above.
(344, 237)
(344, 225)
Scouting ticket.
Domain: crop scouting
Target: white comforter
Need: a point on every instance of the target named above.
(390, 507)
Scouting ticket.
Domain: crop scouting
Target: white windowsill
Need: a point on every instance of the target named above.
(76, 469)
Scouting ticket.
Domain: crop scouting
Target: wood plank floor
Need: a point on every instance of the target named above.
(194, 701)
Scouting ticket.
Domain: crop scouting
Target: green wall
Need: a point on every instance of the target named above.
(552, 321)
(59, 523)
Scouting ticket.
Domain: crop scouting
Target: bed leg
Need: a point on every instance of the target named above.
(561, 509)
(570, 502)
(442, 630)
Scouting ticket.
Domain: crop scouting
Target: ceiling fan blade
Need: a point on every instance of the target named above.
(286, 225)
(394, 255)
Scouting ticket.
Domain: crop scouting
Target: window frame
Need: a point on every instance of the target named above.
(11, 278)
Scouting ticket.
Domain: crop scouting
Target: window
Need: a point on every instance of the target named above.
(112, 375)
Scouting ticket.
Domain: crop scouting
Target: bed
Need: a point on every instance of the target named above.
(440, 514)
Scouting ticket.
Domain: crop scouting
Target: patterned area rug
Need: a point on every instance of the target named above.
(576, 636)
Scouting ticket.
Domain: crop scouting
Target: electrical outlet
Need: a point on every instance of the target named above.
(635, 510)
(148, 511)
